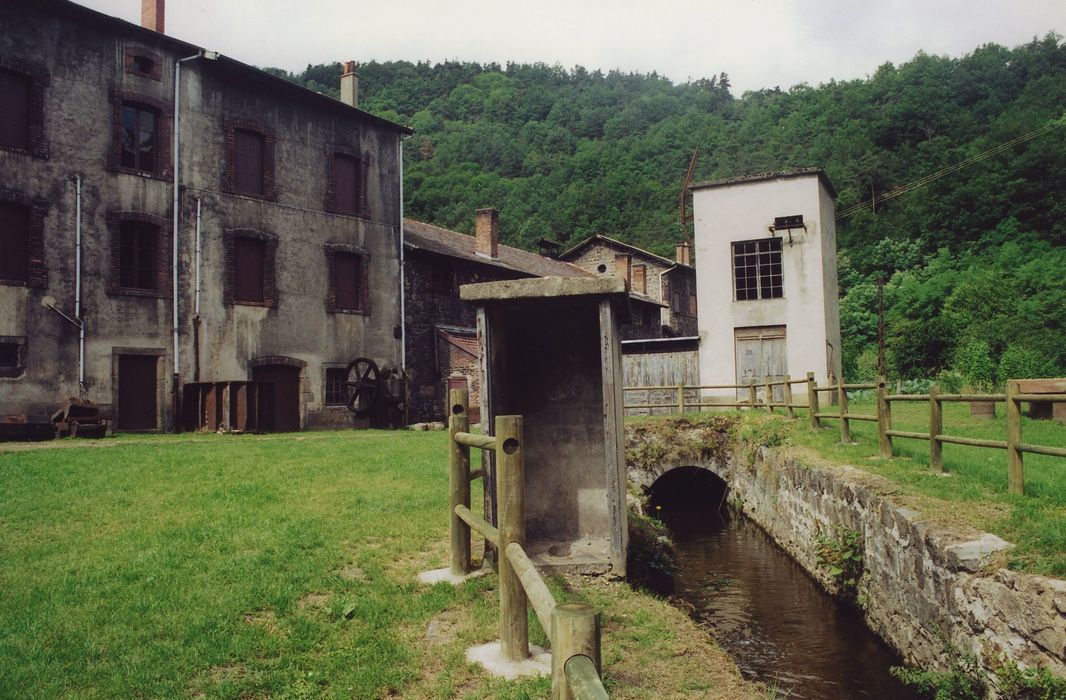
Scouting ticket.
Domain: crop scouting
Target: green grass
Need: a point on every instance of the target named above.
(974, 489)
(224, 566)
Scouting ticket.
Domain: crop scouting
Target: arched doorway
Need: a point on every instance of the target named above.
(281, 377)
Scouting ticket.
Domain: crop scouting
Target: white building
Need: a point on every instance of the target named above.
(766, 278)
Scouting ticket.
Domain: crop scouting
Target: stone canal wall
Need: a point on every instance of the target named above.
(922, 583)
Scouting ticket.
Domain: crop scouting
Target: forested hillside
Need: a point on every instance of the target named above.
(974, 263)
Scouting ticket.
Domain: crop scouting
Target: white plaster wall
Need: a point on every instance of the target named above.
(808, 308)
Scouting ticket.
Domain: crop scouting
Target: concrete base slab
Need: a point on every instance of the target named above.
(446, 576)
(491, 658)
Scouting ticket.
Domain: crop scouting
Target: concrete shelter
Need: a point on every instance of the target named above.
(551, 353)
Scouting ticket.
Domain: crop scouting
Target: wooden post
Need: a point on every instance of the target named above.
(884, 420)
(842, 399)
(769, 395)
(753, 397)
(788, 396)
(681, 398)
(510, 476)
(812, 402)
(458, 480)
(936, 427)
(575, 631)
(1015, 466)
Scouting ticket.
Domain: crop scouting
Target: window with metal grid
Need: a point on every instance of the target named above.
(138, 266)
(139, 130)
(757, 269)
(336, 386)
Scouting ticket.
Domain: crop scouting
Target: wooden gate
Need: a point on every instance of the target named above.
(761, 355)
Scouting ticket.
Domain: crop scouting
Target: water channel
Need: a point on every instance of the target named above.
(762, 607)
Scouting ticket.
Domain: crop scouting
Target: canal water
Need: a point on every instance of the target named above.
(762, 607)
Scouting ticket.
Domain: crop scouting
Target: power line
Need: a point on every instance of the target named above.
(921, 182)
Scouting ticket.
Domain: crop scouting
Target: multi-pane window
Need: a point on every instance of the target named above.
(138, 266)
(14, 110)
(14, 242)
(347, 281)
(249, 262)
(757, 269)
(248, 162)
(336, 386)
(347, 185)
(138, 147)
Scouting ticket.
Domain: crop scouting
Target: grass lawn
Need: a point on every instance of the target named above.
(973, 490)
(274, 566)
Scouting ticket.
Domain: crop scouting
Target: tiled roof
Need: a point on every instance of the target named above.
(434, 239)
(615, 243)
(466, 343)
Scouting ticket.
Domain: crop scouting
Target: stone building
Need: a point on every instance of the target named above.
(766, 269)
(271, 254)
(668, 287)
(441, 330)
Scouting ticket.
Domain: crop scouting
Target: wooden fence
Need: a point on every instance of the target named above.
(936, 437)
(573, 628)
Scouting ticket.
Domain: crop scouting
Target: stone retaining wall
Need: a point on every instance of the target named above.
(922, 583)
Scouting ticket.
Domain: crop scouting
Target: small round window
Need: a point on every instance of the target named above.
(601, 268)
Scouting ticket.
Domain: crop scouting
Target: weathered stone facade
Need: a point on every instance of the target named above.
(87, 67)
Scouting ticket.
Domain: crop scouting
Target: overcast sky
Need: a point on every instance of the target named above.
(759, 43)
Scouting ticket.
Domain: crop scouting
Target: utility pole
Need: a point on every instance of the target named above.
(881, 327)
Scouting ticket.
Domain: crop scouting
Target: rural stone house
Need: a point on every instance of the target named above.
(669, 286)
(766, 272)
(271, 252)
(441, 330)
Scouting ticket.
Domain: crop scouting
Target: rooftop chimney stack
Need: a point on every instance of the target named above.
(152, 13)
(684, 254)
(349, 83)
(487, 232)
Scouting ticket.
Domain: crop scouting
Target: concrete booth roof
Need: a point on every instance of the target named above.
(536, 289)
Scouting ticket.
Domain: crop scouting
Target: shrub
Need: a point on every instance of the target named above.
(1018, 362)
(974, 362)
(962, 681)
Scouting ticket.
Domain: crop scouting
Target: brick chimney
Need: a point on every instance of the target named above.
(684, 254)
(487, 232)
(349, 83)
(152, 14)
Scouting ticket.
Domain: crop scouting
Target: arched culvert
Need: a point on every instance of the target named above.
(688, 492)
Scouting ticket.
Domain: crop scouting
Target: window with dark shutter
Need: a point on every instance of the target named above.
(14, 110)
(139, 133)
(138, 255)
(347, 281)
(346, 183)
(249, 260)
(249, 162)
(14, 242)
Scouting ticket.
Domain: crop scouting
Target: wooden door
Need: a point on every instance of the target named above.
(286, 389)
(138, 405)
(761, 355)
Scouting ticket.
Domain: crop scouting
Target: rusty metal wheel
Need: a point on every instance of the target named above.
(363, 386)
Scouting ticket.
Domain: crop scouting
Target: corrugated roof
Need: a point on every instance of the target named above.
(434, 239)
(781, 175)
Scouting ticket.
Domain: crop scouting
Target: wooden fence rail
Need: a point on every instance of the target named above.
(573, 628)
(936, 437)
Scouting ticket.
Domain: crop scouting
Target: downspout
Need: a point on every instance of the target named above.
(77, 286)
(196, 298)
